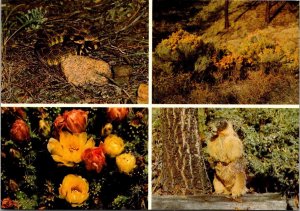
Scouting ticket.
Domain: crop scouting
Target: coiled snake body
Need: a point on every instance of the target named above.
(53, 47)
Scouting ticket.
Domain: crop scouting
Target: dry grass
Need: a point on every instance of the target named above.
(171, 88)
(259, 88)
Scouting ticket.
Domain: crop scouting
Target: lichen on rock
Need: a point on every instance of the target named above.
(81, 70)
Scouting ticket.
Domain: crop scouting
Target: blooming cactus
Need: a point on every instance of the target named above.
(126, 162)
(113, 145)
(74, 189)
(94, 158)
(74, 121)
(69, 148)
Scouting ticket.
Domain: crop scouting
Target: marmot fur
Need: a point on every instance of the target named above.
(226, 158)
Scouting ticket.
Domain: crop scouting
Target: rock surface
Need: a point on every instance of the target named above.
(142, 94)
(122, 74)
(80, 70)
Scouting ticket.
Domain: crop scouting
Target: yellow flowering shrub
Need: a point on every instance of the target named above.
(126, 162)
(270, 55)
(180, 45)
(231, 66)
(267, 53)
(74, 189)
(69, 148)
(113, 145)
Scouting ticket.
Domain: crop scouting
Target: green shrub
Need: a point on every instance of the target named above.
(267, 54)
(164, 66)
(270, 138)
(119, 202)
(33, 19)
(202, 64)
(179, 46)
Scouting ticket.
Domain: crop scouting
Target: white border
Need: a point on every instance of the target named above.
(223, 106)
(150, 109)
(150, 158)
(150, 106)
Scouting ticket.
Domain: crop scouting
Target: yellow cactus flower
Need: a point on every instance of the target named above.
(69, 148)
(113, 145)
(126, 162)
(74, 189)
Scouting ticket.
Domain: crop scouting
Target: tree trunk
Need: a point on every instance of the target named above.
(183, 167)
(267, 14)
(226, 8)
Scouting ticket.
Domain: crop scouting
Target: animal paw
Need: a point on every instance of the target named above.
(238, 192)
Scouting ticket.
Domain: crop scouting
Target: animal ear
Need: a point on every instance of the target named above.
(222, 125)
(215, 122)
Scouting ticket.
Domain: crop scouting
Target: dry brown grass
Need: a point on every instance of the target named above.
(259, 88)
(171, 88)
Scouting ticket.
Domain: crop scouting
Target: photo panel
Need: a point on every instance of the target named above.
(225, 158)
(225, 52)
(74, 158)
(82, 51)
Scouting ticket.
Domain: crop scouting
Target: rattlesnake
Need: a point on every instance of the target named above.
(52, 47)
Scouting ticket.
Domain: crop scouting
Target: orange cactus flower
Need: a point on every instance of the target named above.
(59, 123)
(94, 158)
(117, 114)
(7, 203)
(76, 120)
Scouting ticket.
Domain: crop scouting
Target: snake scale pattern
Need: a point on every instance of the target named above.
(53, 47)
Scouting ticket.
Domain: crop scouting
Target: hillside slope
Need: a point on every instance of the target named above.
(250, 56)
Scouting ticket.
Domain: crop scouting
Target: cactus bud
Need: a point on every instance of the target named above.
(106, 130)
(44, 127)
(19, 131)
(20, 112)
(76, 120)
(15, 153)
(117, 114)
(13, 185)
